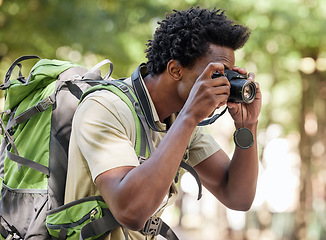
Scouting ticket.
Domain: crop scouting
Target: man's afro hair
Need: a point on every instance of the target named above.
(185, 36)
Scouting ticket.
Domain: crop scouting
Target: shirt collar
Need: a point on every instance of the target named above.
(159, 124)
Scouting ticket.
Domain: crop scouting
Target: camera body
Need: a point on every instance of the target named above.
(242, 90)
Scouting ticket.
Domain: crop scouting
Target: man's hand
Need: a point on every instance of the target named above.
(207, 94)
(250, 111)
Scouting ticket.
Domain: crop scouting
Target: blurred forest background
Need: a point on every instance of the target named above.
(287, 51)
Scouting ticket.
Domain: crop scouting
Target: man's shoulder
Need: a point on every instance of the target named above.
(104, 97)
(103, 106)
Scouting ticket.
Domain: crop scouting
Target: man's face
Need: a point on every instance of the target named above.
(215, 53)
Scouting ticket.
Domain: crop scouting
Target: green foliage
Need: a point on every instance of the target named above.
(283, 32)
(75, 30)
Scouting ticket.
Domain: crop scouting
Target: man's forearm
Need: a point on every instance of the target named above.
(243, 171)
(152, 178)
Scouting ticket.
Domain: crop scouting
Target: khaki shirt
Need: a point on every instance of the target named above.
(103, 137)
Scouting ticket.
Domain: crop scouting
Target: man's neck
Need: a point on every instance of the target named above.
(163, 95)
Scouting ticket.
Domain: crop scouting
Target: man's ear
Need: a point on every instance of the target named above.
(175, 69)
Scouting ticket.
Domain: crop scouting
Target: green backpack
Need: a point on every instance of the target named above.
(36, 125)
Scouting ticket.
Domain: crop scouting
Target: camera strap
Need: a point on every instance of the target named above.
(242, 137)
(142, 97)
(212, 119)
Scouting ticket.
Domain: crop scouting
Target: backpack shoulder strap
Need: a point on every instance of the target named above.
(143, 146)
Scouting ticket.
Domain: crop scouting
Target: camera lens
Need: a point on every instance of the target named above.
(242, 91)
(248, 92)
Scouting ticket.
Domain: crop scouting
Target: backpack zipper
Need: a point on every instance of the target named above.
(90, 215)
(93, 213)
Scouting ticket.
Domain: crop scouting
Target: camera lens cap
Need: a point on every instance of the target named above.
(243, 138)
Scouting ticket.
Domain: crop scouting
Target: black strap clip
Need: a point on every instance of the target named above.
(41, 106)
(153, 226)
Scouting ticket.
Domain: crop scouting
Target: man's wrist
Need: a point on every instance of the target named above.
(251, 126)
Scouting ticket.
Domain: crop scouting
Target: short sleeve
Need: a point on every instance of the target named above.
(202, 145)
(105, 132)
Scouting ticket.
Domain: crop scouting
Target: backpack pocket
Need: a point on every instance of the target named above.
(76, 219)
(26, 210)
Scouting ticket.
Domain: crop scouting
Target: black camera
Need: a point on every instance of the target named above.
(242, 90)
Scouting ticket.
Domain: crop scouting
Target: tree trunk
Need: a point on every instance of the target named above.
(312, 122)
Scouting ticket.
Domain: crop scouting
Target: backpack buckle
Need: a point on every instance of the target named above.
(123, 88)
(41, 106)
(141, 159)
(152, 226)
